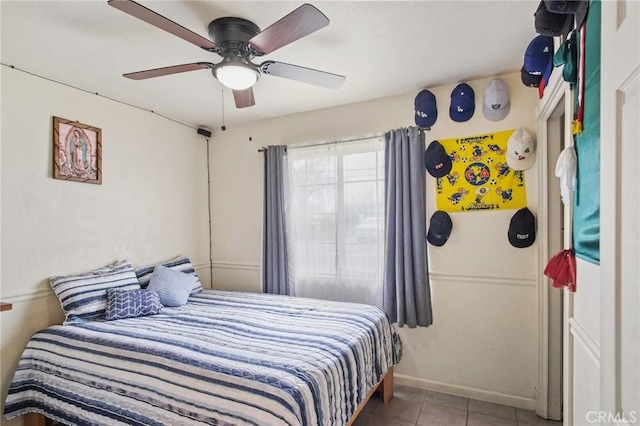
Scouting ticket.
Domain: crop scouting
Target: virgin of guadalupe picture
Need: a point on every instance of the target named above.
(77, 151)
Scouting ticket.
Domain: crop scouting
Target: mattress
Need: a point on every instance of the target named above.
(224, 358)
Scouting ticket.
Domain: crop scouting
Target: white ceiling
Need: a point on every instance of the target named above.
(383, 48)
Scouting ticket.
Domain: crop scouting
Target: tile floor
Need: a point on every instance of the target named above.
(411, 407)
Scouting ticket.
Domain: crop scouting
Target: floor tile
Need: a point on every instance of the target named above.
(398, 408)
(491, 409)
(529, 418)
(439, 415)
(385, 421)
(477, 419)
(447, 400)
(362, 419)
(408, 392)
(372, 405)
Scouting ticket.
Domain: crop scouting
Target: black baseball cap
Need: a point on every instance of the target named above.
(529, 80)
(522, 228)
(439, 228)
(436, 160)
(577, 8)
(552, 24)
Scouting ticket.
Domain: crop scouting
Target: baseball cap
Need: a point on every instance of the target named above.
(522, 228)
(529, 80)
(436, 160)
(577, 8)
(546, 75)
(550, 23)
(495, 104)
(426, 110)
(538, 54)
(520, 150)
(463, 103)
(439, 228)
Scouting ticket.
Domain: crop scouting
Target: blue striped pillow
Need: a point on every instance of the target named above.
(83, 297)
(180, 263)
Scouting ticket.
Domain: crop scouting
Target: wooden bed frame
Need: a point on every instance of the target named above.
(384, 386)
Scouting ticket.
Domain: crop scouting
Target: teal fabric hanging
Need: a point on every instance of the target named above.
(586, 204)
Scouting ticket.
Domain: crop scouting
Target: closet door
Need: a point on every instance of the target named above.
(620, 214)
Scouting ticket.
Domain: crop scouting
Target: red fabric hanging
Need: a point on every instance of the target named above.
(562, 269)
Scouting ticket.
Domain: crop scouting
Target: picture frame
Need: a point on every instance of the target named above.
(77, 151)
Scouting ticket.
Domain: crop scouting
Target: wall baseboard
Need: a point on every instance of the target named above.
(479, 394)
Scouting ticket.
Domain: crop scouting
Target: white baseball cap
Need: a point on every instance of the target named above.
(521, 150)
(496, 105)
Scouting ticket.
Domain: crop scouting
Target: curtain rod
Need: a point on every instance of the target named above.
(328, 143)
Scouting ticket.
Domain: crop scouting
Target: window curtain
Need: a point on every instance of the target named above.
(407, 296)
(275, 256)
(335, 208)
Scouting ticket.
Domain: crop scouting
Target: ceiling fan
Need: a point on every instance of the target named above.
(238, 41)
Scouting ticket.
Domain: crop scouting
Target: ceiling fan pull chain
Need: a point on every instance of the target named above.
(224, 127)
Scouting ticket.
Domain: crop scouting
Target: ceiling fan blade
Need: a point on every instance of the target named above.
(305, 75)
(174, 69)
(301, 22)
(151, 17)
(244, 98)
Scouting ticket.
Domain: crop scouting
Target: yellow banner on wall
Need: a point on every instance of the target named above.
(480, 178)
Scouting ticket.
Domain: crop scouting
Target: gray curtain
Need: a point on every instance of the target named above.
(407, 296)
(275, 258)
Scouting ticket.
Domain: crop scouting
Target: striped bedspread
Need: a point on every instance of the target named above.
(224, 358)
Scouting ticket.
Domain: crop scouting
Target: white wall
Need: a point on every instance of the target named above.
(151, 206)
(483, 342)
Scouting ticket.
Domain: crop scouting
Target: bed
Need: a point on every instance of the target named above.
(224, 358)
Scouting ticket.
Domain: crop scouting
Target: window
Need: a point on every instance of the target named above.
(335, 209)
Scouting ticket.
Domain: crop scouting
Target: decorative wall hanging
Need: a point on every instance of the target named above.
(480, 178)
(77, 151)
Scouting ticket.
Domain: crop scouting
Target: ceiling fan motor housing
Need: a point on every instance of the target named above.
(232, 34)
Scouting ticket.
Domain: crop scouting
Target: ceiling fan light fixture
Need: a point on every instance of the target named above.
(236, 75)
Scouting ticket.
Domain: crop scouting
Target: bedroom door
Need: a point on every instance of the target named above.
(620, 220)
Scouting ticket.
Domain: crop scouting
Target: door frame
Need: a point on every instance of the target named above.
(548, 392)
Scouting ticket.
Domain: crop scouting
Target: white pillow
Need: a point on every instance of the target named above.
(174, 287)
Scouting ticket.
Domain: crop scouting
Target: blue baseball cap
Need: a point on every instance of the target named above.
(426, 110)
(538, 54)
(463, 103)
(546, 75)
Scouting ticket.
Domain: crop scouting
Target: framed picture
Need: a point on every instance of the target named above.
(77, 151)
